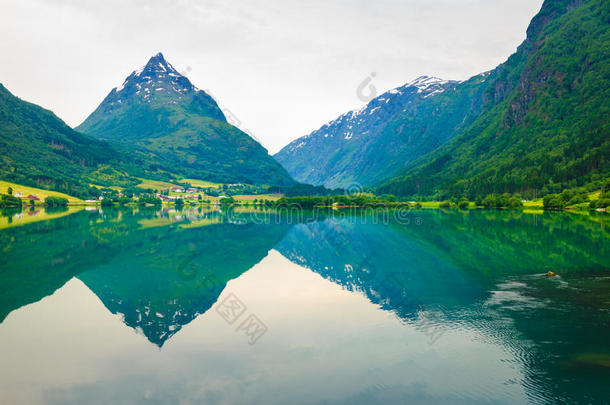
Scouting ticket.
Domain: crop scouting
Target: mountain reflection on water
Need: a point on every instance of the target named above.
(478, 270)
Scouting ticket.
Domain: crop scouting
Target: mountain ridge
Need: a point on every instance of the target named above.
(348, 149)
(426, 133)
(170, 126)
(37, 148)
(544, 129)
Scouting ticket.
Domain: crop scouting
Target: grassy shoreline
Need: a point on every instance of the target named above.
(277, 200)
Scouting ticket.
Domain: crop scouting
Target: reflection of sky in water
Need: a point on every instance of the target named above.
(453, 310)
(323, 343)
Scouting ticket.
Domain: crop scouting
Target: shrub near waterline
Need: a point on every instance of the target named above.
(356, 200)
(7, 201)
(52, 201)
(602, 202)
(502, 201)
(565, 199)
(149, 199)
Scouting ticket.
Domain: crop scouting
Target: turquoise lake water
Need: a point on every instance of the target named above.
(198, 307)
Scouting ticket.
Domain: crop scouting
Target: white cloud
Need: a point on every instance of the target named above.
(283, 67)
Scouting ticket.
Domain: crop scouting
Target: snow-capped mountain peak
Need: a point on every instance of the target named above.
(364, 121)
(378, 110)
(424, 82)
(158, 85)
(428, 86)
(157, 65)
(158, 75)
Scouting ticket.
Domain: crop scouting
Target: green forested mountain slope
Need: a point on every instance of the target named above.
(546, 122)
(37, 148)
(172, 126)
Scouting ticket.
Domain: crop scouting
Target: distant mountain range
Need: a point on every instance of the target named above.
(539, 121)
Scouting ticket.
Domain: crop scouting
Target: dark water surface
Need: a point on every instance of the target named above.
(199, 307)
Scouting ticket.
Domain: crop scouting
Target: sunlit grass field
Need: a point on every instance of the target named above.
(38, 192)
(155, 184)
(251, 198)
(200, 183)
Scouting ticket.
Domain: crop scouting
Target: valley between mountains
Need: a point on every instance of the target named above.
(536, 125)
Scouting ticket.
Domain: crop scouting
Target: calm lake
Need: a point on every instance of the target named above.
(126, 306)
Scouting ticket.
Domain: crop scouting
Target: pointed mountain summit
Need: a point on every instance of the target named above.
(157, 85)
(172, 128)
(158, 82)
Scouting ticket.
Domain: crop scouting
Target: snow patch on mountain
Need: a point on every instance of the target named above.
(157, 74)
(357, 122)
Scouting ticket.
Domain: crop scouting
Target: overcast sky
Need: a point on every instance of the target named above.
(282, 67)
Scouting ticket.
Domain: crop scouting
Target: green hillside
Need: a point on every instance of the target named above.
(38, 149)
(550, 131)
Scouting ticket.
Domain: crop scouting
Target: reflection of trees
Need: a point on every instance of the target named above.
(459, 263)
(39, 258)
